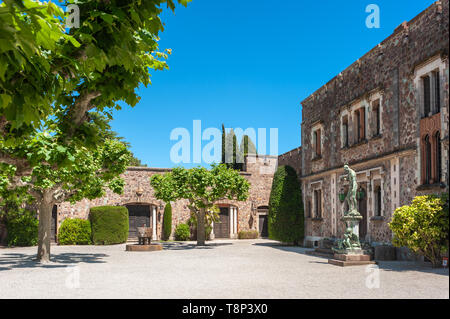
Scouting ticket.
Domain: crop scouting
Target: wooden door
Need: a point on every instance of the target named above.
(222, 227)
(139, 215)
(263, 229)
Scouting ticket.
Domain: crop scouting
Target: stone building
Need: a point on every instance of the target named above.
(144, 208)
(387, 116)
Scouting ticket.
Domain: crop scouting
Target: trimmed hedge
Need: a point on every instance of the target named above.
(286, 217)
(22, 229)
(75, 231)
(248, 234)
(109, 225)
(167, 221)
(182, 232)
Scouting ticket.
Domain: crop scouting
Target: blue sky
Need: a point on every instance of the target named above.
(250, 64)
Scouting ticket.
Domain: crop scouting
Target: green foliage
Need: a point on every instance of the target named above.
(233, 154)
(109, 225)
(201, 187)
(167, 221)
(182, 232)
(75, 231)
(286, 217)
(211, 216)
(423, 226)
(22, 229)
(248, 234)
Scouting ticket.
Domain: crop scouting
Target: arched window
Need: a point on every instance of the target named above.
(427, 159)
(438, 154)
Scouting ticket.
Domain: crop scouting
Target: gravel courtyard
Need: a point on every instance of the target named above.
(223, 269)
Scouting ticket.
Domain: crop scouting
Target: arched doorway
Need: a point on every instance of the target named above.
(140, 215)
(222, 226)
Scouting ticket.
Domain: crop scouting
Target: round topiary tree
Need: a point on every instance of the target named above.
(286, 218)
(167, 221)
(75, 231)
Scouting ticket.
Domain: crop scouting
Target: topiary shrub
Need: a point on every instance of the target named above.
(182, 232)
(423, 226)
(75, 231)
(167, 221)
(248, 234)
(109, 225)
(286, 217)
(22, 229)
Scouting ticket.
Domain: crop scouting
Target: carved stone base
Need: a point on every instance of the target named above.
(351, 260)
(151, 247)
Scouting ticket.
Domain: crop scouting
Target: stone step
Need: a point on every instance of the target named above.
(343, 263)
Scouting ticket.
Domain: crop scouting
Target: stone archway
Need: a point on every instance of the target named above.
(142, 214)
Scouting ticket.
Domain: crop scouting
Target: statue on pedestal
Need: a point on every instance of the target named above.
(351, 194)
(351, 217)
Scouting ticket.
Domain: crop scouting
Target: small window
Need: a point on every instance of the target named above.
(437, 93)
(317, 147)
(345, 131)
(377, 201)
(438, 152)
(376, 111)
(426, 95)
(427, 159)
(360, 120)
(317, 203)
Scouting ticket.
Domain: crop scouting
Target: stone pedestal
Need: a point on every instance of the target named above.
(349, 252)
(351, 260)
(151, 247)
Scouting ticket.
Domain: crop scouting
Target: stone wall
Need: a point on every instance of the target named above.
(391, 158)
(292, 158)
(259, 172)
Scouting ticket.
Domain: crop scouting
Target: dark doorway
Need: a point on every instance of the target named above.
(263, 229)
(362, 207)
(54, 225)
(139, 215)
(222, 227)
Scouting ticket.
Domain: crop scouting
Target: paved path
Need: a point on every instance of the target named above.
(224, 269)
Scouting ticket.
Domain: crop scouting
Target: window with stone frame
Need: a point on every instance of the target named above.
(438, 158)
(317, 203)
(317, 141)
(376, 118)
(427, 80)
(431, 93)
(427, 157)
(344, 131)
(360, 124)
(377, 201)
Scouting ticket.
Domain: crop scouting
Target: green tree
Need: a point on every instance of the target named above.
(167, 221)
(51, 80)
(423, 226)
(202, 188)
(286, 216)
(233, 154)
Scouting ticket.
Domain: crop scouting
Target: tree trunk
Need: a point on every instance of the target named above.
(201, 227)
(44, 232)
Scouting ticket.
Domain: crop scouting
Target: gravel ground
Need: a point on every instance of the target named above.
(224, 269)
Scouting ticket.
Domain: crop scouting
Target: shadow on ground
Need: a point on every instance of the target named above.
(187, 246)
(10, 261)
(284, 247)
(399, 266)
